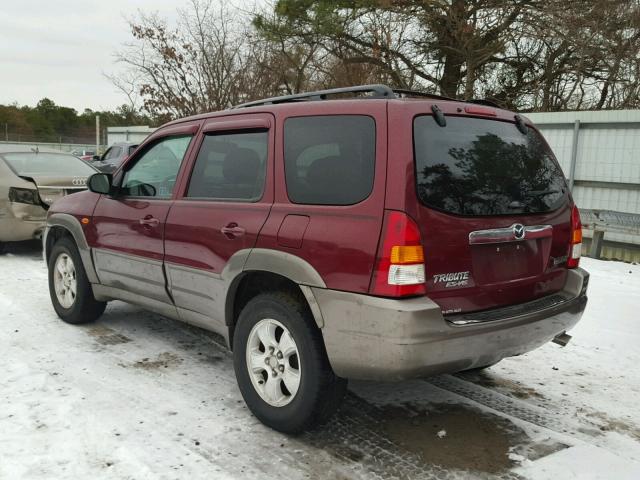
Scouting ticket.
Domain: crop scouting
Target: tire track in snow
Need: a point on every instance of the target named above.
(516, 408)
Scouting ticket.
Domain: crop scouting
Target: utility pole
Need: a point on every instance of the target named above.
(6, 132)
(97, 134)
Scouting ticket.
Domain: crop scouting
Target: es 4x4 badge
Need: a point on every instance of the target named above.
(453, 279)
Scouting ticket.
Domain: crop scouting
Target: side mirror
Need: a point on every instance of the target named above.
(100, 183)
(97, 157)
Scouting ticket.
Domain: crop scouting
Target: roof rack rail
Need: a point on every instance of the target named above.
(402, 92)
(378, 91)
(372, 91)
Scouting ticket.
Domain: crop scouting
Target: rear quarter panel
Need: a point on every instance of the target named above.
(18, 221)
(340, 242)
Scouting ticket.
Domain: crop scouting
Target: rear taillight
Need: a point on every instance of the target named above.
(24, 195)
(575, 246)
(399, 268)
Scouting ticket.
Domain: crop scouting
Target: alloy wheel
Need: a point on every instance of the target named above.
(273, 362)
(64, 281)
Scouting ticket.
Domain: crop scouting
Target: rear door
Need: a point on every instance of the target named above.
(493, 208)
(221, 209)
(129, 225)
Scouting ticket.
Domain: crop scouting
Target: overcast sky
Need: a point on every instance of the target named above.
(60, 49)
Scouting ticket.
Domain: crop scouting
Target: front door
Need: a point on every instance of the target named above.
(220, 211)
(129, 224)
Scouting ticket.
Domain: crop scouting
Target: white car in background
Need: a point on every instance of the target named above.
(30, 181)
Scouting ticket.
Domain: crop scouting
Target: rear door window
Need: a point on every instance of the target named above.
(230, 166)
(480, 167)
(329, 160)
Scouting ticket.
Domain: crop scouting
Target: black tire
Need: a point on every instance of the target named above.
(2, 247)
(85, 307)
(320, 391)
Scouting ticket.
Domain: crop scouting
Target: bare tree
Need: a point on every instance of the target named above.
(525, 54)
(199, 65)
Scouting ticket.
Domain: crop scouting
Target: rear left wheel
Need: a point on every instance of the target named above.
(281, 365)
(69, 288)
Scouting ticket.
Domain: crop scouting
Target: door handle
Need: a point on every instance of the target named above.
(149, 221)
(232, 230)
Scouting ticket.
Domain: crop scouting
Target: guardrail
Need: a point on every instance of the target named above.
(602, 221)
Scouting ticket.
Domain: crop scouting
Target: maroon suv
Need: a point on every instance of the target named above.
(384, 236)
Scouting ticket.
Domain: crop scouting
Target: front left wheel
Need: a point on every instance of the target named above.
(69, 288)
(281, 365)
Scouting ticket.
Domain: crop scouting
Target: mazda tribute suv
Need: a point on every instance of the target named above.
(358, 233)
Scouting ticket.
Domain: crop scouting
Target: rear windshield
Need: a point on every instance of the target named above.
(479, 167)
(48, 164)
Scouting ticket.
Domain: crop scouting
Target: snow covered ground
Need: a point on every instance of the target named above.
(139, 396)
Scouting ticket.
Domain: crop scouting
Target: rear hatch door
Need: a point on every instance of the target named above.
(494, 212)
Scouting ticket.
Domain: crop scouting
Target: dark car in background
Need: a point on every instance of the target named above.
(30, 181)
(113, 157)
(85, 155)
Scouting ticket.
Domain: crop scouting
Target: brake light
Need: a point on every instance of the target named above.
(399, 270)
(24, 195)
(575, 246)
(487, 112)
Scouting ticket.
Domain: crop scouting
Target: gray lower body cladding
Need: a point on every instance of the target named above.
(373, 338)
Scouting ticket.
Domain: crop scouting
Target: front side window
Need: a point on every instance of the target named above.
(230, 166)
(329, 160)
(479, 167)
(154, 173)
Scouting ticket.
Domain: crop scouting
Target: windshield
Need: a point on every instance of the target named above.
(49, 164)
(479, 167)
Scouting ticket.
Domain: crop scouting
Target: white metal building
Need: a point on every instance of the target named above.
(599, 152)
(135, 134)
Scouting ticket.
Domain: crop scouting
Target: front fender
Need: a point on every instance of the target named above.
(72, 225)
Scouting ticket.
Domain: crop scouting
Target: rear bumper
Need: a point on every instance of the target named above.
(21, 222)
(384, 339)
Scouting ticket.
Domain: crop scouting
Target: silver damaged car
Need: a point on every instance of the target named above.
(30, 181)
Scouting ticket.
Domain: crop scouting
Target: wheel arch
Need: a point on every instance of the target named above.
(63, 224)
(271, 270)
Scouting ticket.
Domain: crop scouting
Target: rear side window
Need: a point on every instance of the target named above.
(329, 160)
(479, 167)
(230, 166)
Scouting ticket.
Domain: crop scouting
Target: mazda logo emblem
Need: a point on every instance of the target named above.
(518, 231)
(79, 182)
